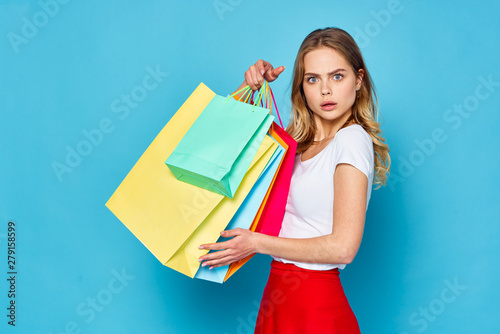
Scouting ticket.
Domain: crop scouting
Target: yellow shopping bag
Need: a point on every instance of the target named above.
(172, 218)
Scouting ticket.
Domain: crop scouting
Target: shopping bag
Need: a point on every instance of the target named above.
(217, 150)
(246, 212)
(162, 212)
(271, 211)
(270, 216)
(186, 259)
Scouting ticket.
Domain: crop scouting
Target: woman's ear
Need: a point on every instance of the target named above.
(360, 76)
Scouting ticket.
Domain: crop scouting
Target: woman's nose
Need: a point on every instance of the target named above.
(325, 90)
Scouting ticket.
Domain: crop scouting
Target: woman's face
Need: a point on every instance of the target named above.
(329, 84)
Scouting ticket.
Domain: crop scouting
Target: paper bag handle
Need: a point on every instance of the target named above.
(246, 91)
(264, 91)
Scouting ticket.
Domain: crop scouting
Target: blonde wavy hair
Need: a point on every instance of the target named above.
(364, 110)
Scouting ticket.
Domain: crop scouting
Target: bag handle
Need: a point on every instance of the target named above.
(270, 100)
(246, 90)
(265, 93)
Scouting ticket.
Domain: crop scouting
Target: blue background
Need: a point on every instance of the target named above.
(436, 224)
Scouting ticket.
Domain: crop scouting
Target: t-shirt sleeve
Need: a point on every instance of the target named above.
(355, 147)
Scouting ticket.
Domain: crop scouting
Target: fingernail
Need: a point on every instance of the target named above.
(201, 247)
(262, 72)
(210, 268)
(203, 264)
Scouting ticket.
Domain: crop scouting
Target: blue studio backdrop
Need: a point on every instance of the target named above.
(85, 86)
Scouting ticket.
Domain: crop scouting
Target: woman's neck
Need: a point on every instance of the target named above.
(327, 129)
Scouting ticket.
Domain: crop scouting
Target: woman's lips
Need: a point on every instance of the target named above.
(328, 105)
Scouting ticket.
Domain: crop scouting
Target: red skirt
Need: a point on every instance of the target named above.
(302, 301)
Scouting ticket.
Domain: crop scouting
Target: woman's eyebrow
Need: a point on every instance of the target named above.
(330, 73)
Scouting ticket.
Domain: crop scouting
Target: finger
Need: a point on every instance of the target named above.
(262, 66)
(252, 80)
(260, 79)
(254, 75)
(267, 69)
(274, 73)
(218, 262)
(278, 71)
(216, 246)
(248, 80)
(230, 258)
(231, 233)
(257, 77)
(214, 255)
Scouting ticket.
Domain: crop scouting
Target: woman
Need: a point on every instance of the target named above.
(340, 154)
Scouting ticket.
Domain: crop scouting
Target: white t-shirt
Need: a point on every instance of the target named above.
(309, 208)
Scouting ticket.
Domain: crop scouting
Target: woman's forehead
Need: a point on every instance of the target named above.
(324, 59)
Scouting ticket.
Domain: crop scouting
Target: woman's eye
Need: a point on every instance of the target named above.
(338, 76)
(312, 80)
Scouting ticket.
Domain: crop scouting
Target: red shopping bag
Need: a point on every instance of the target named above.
(270, 216)
(274, 208)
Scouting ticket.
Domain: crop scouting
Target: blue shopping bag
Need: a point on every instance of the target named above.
(246, 212)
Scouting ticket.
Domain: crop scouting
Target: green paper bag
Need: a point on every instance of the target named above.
(218, 148)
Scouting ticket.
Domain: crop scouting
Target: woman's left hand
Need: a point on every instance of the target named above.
(240, 246)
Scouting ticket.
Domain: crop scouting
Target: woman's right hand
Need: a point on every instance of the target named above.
(255, 75)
